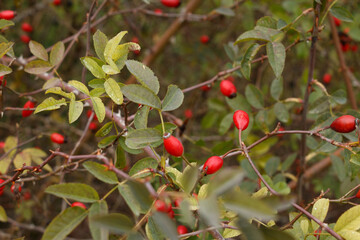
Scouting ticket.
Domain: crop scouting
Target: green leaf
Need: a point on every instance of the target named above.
(209, 211)
(97, 83)
(153, 232)
(120, 159)
(281, 112)
(5, 47)
(276, 88)
(64, 223)
(144, 75)
(320, 210)
(97, 232)
(349, 234)
(272, 165)
(189, 178)
(136, 196)
(97, 92)
(110, 69)
(267, 21)
(75, 110)
(225, 11)
(259, 33)
(59, 91)
(186, 215)
(141, 95)
(173, 98)
(338, 167)
(3, 216)
(114, 222)
(342, 14)
(349, 220)
(141, 165)
(37, 67)
(247, 58)
(231, 233)
(50, 104)
(38, 50)
(166, 226)
(339, 96)
(21, 159)
(100, 41)
(111, 46)
(276, 54)
(101, 172)
(112, 88)
(57, 53)
(141, 117)
(5, 23)
(99, 108)
(225, 123)
(225, 180)
(104, 130)
(140, 138)
(107, 141)
(52, 82)
(79, 86)
(254, 96)
(4, 70)
(75, 191)
(93, 67)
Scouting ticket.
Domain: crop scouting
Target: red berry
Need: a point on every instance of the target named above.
(171, 3)
(205, 88)
(181, 229)
(177, 202)
(26, 27)
(241, 119)
(344, 124)
(213, 164)
(317, 232)
(57, 138)
(78, 204)
(204, 39)
(13, 188)
(171, 214)
(228, 89)
(358, 194)
(345, 47)
(57, 2)
(327, 78)
(158, 11)
(2, 81)
(188, 113)
(93, 126)
(135, 40)
(2, 188)
(7, 14)
(337, 21)
(28, 104)
(27, 196)
(281, 129)
(88, 114)
(25, 39)
(2, 145)
(173, 146)
(161, 206)
(354, 48)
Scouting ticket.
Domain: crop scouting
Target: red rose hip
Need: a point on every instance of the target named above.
(28, 104)
(181, 229)
(213, 164)
(228, 89)
(337, 21)
(15, 188)
(57, 138)
(78, 204)
(26, 27)
(172, 145)
(7, 14)
(161, 206)
(25, 39)
(358, 194)
(57, 2)
(344, 124)
(171, 3)
(241, 119)
(204, 39)
(327, 78)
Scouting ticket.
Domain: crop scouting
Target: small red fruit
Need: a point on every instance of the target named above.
(327, 78)
(88, 114)
(181, 229)
(13, 188)
(135, 40)
(204, 39)
(171, 214)
(7, 14)
(93, 126)
(213, 164)
(317, 232)
(78, 204)
(344, 124)
(57, 138)
(188, 113)
(25, 39)
(177, 202)
(27, 196)
(337, 21)
(205, 88)
(241, 119)
(281, 129)
(172, 145)
(161, 206)
(354, 48)
(2, 81)
(28, 104)
(171, 3)
(345, 47)
(26, 27)
(2, 145)
(358, 194)
(158, 11)
(57, 2)
(2, 188)
(228, 89)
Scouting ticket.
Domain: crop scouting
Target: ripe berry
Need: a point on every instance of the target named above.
(345, 47)
(2, 81)
(317, 232)
(158, 11)
(188, 113)
(213, 164)
(57, 138)
(171, 214)
(181, 229)
(327, 78)
(228, 89)
(354, 48)
(281, 129)
(78, 204)
(7, 14)
(344, 124)
(2, 145)
(25, 39)
(28, 104)
(241, 119)
(2, 188)
(26, 27)
(204, 39)
(93, 126)
(161, 206)
(27, 196)
(14, 188)
(205, 88)
(337, 21)
(171, 3)
(88, 114)
(177, 202)
(358, 194)
(172, 145)
(135, 40)
(57, 2)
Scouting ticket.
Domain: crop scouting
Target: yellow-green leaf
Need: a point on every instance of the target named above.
(112, 88)
(93, 67)
(59, 91)
(320, 210)
(79, 86)
(99, 108)
(5, 47)
(75, 110)
(3, 216)
(4, 70)
(37, 67)
(50, 104)
(75, 191)
(349, 220)
(57, 53)
(38, 50)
